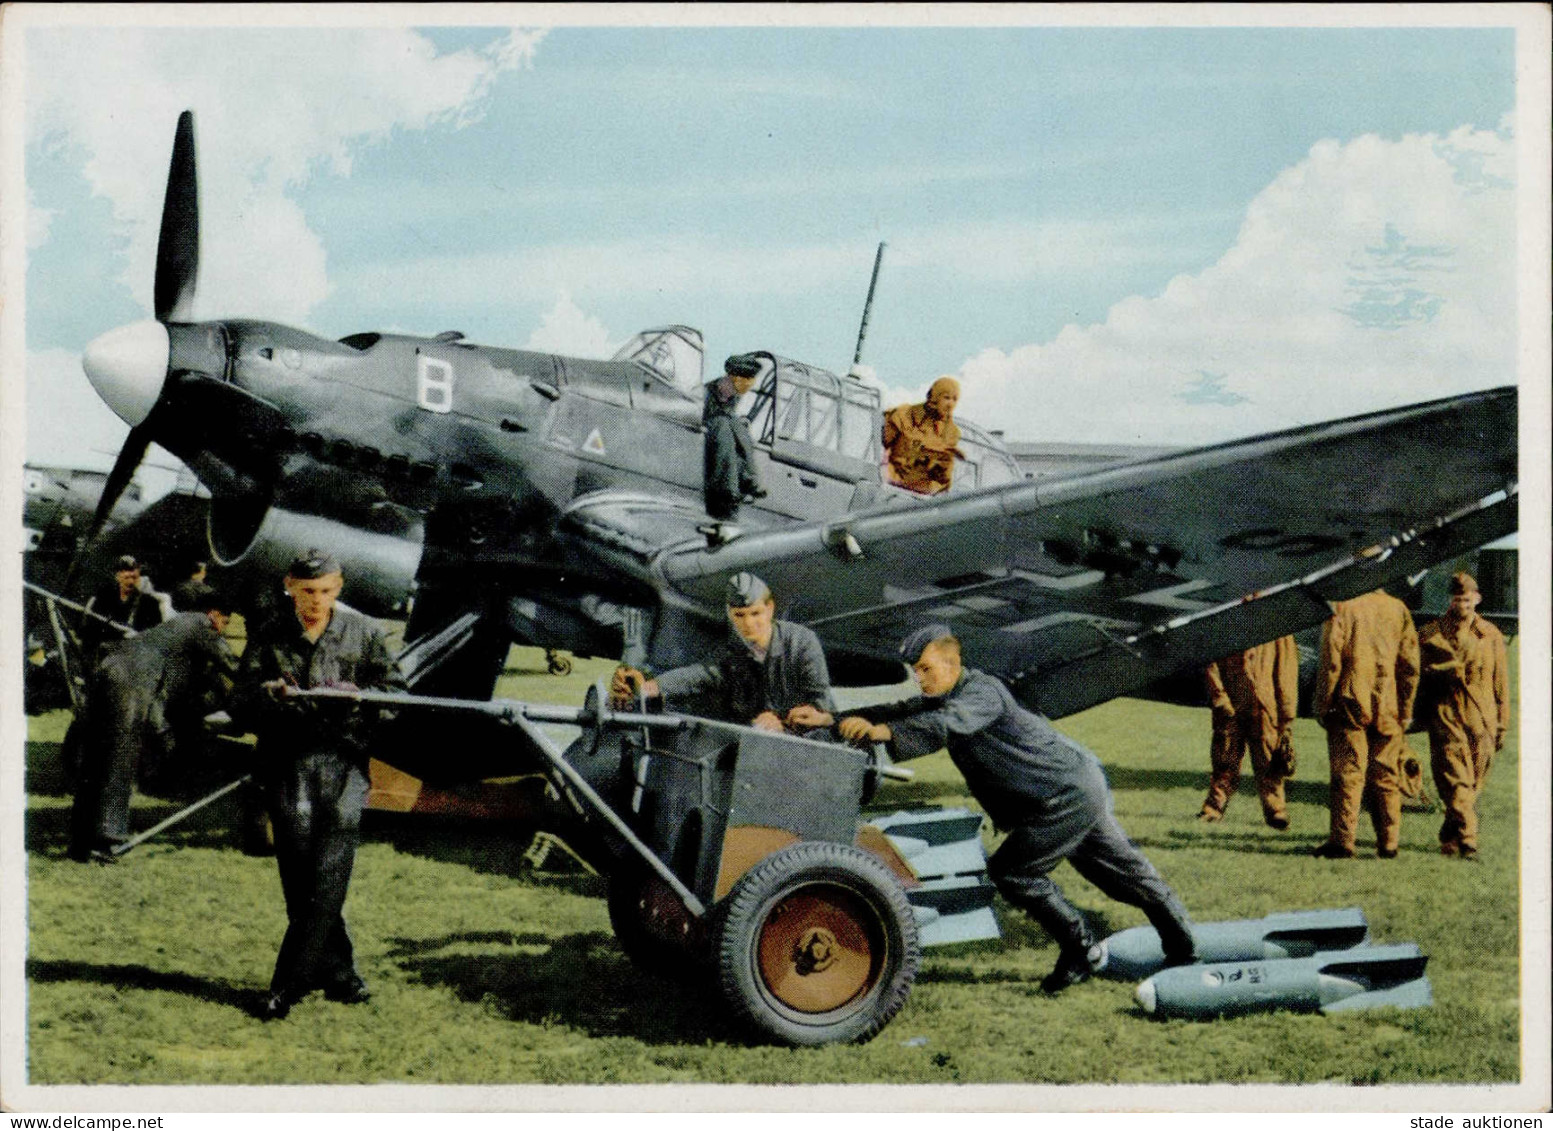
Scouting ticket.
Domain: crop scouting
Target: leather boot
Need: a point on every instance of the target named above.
(1064, 924)
(1174, 930)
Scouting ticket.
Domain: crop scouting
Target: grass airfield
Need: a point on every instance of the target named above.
(486, 970)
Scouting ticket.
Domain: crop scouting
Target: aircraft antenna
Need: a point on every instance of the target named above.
(868, 306)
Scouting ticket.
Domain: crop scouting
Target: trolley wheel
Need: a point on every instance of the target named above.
(816, 944)
(655, 929)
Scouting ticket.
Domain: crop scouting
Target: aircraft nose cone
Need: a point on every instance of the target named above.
(128, 367)
(1147, 995)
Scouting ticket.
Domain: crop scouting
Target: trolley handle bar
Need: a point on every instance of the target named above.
(508, 710)
(511, 710)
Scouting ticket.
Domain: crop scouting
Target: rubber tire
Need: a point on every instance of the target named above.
(823, 867)
(649, 951)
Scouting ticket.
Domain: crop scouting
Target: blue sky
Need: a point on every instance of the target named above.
(1150, 235)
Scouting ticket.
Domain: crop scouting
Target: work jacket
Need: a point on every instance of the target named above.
(1466, 679)
(1369, 665)
(352, 652)
(1263, 682)
(1014, 761)
(921, 448)
(180, 669)
(736, 687)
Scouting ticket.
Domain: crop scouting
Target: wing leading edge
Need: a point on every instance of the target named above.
(1084, 588)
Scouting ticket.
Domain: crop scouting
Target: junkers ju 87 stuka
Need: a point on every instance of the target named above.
(494, 496)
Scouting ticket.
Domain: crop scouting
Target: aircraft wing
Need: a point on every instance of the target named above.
(1083, 588)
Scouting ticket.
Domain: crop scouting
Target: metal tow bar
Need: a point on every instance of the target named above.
(527, 716)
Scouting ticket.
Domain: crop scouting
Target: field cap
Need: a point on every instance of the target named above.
(745, 589)
(913, 646)
(742, 365)
(312, 565)
(1462, 583)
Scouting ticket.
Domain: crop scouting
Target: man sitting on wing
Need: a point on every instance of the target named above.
(771, 673)
(1048, 792)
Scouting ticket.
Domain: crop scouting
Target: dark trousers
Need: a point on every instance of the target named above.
(315, 802)
(113, 736)
(1079, 826)
(728, 467)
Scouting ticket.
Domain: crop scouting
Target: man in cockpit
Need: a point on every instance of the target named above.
(921, 441)
(770, 674)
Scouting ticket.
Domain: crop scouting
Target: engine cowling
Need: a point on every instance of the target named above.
(260, 542)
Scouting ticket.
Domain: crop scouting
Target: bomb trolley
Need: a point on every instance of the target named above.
(736, 856)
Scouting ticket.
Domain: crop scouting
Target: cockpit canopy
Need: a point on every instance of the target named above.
(807, 411)
(833, 424)
(675, 355)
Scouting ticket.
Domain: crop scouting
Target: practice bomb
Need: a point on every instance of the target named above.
(1136, 952)
(1366, 977)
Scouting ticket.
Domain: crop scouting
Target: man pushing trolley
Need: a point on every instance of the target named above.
(1046, 789)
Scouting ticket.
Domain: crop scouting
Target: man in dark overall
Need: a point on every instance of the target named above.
(142, 693)
(729, 471)
(770, 674)
(1048, 792)
(312, 759)
(127, 601)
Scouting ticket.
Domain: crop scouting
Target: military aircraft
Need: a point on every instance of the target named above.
(522, 496)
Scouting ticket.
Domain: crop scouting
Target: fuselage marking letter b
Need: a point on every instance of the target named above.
(434, 383)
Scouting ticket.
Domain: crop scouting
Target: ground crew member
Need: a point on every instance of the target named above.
(1364, 700)
(922, 441)
(1254, 695)
(1466, 706)
(770, 674)
(729, 471)
(312, 759)
(128, 600)
(1048, 792)
(142, 695)
(196, 577)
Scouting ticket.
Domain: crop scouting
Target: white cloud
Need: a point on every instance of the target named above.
(67, 422)
(272, 108)
(567, 330)
(1371, 274)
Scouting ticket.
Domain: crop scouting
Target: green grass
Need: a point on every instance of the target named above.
(486, 971)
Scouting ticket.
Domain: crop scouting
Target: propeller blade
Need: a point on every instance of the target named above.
(178, 249)
(124, 468)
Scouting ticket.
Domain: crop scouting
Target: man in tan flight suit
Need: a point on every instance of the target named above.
(922, 441)
(1254, 696)
(1466, 706)
(1364, 699)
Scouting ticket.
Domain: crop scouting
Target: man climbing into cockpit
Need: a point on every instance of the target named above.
(729, 466)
